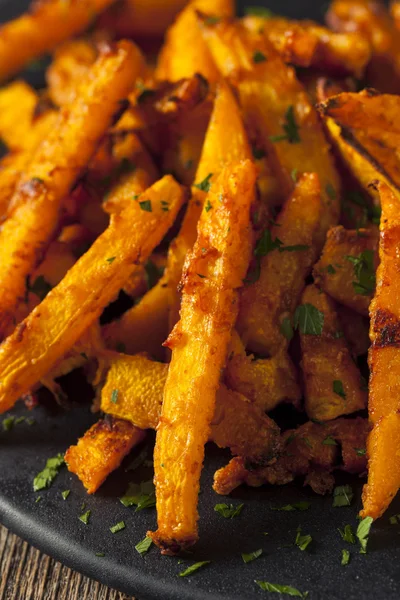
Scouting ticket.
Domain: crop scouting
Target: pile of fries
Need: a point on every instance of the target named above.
(227, 185)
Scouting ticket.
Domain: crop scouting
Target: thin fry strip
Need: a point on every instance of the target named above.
(54, 168)
(36, 32)
(69, 309)
(384, 361)
(101, 450)
(213, 272)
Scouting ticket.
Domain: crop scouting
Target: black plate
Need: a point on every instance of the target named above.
(52, 524)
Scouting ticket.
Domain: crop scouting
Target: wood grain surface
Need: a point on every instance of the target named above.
(26, 574)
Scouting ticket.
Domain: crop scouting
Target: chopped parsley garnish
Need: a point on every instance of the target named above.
(259, 57)
(251, 555)
(258, 153)
(266, 244)
(40, 287)
(212, 20)
(117, 527)
(394, 520)
(19, 420)
(194, 568)
(345, 557)
(308, 319)
(142, 495)
(302, 541)
(38, 499)
(65, 494)
(30, 421)
(259, 11)
(342, 495)
(294, 174)
(303, 505)
(338, 388)
(46, 477)
(360, 451)
(280, 589)
(330, 269)
(364, 272)
(330, 190)
(208, 205)
(347, 534)
(362, 533)
(111, 259)
(100, 554)
(8, 423)
(204, 185)
(286, 328)
(164, 205)
(146, 205)
(228, 511)
(114, 396)
(329, 441)
(144, 546)
(290, 127)
(85, 517)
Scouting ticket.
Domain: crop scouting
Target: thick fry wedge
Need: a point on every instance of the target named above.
(364, 126)
(372, 19)
(70, 308)
(284, 257)
(346, 269)
(288, 124)
(214, 271)
(308, 44)
(333, 383)
(225, 141)
(185, 52)
(54, 168)
(237, 423)
(101, 450)
(49, 23)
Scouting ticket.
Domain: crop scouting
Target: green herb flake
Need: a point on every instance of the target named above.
(85, 517)
(364, 272)
(259, 57)
(290, 127)
(394, 520)
(208, 206)
(164, 205)
(360, 451)
(286, 328)
(362, 533)
(303, 505)
(194, 568)
(266, 244)
(228, 511)
(152, 273)
(294, 174)
(38, 499)
(114, 396)
(302, 541)
(146, 205)
(8, 423)
(342, 495)
(345, 557)
(46, 477)
(280, 589)
(65, 494)
(338, 389)
(142, 495)
(329, 441)
(31, 421)
(212, 20)
(330, 269)
(204, 185)
(111, 259)
(330, 190)
(117, 527)
(259, 11)
(251, 555)
(308, 319)
(100, 554)
(347, 534)
(144, 546)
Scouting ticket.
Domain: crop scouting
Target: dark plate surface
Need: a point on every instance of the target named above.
(52, 524)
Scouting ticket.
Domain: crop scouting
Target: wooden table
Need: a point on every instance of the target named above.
(26, 574)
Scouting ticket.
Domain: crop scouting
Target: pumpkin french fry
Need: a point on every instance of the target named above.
(283, 259)
(101, 450)
(364, 126)
(49, 23)
(308, 44)
(213, 273)
(79, 299)
(289, 127)
(54, 169)
(332, 381)
(346, 269)
(18, 102)
(185, 52)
